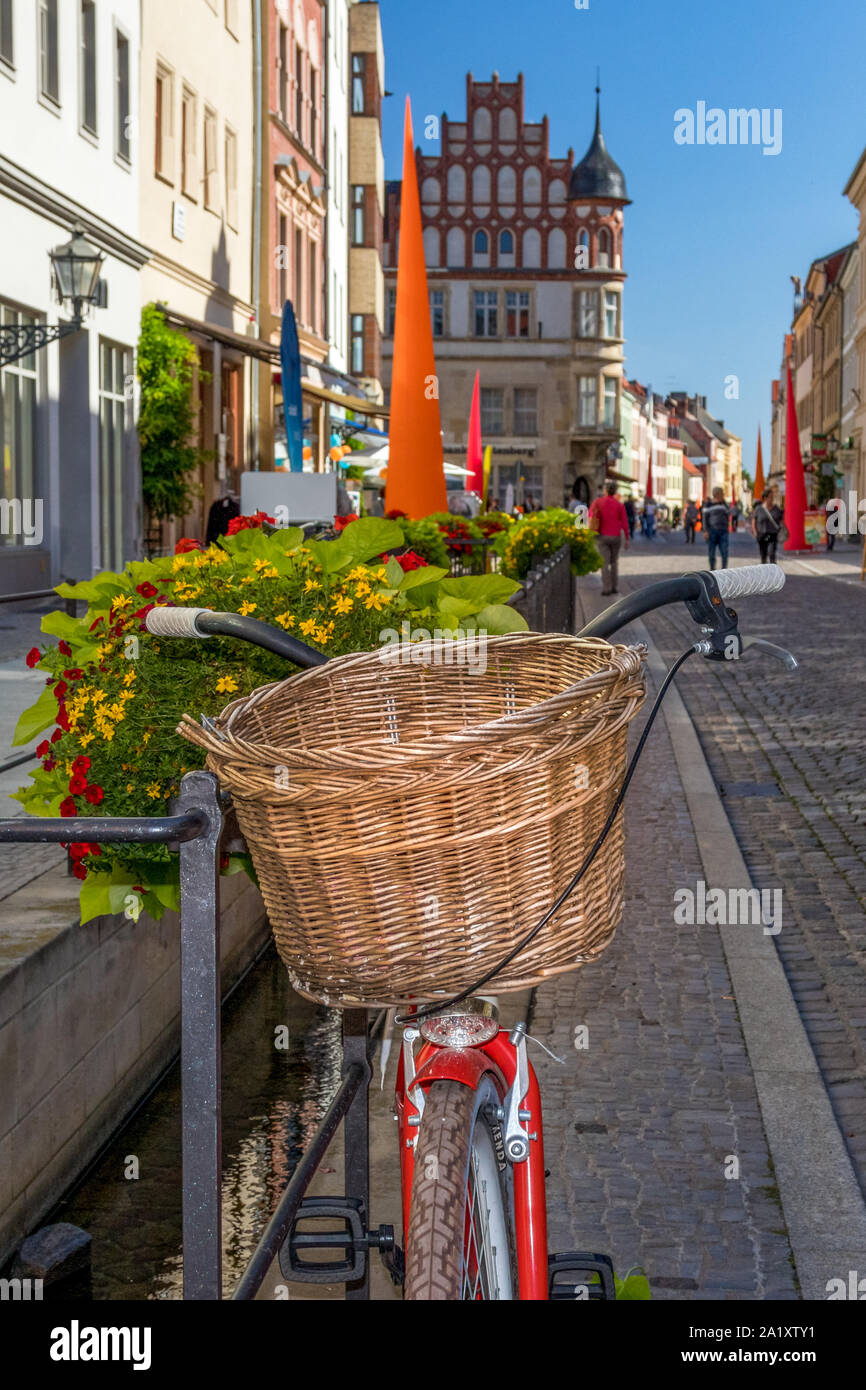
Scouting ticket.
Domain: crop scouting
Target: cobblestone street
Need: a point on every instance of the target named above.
(640, 1125)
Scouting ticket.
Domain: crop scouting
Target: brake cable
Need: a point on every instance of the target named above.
(431, 1010)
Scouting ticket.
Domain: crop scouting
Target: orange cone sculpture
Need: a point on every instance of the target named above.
(416, 477)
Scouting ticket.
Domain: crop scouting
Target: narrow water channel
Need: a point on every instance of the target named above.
(281, 1064)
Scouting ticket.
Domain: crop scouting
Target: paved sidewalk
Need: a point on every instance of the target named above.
(799, 738)
(642, 1125)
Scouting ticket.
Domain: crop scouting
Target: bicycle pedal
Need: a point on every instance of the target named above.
(344, 1230)
(588, 1277)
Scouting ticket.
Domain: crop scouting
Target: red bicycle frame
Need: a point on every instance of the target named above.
(467, 1065)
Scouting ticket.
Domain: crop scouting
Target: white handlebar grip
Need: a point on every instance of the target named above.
(750, 579)
(174, 622)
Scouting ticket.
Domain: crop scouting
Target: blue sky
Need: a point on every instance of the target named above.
(715, 231)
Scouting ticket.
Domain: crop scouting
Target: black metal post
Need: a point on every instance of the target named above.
(201, 1102)
(356, 1129)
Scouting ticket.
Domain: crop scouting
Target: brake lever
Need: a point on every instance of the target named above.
(788, 660)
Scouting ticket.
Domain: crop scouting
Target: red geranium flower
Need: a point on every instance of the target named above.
(94, 794)
(410, 561)
(64, 648)
(395, 514)
(79, 870)
(43, 749)
(63, 718)
(49, 764)
(77, 783)
(33, 657)
(187, 543)
(147, 590)
(341, 522)
(60, 689)
(68, 807)
(56, 736)
(74, 673)
(81, 763)
(245, 523)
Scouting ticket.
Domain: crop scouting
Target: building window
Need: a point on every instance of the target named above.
(609, 402)
(587, 314)
(188, 160)
(88, 66)
(282, 259)
(358, 66)
(533, 483)
(121, 79)
(486, 314)
(314, 280)
(232, 17)
(314, 128)
(492, 410)
(506, 249)
(211, 183)
(7, 42)
(437, 313)
(283, 75)
(358, 344)
(300, 309)
(18, 394)
(299, 93)
(517, 314)
(115, 367)
(603, 247)
(390, 311)
(231, 157)
(163, 157)
(525, 410)
(587, 401)
(357, 214)
(481, 249)
(49, 73)
(611, 314)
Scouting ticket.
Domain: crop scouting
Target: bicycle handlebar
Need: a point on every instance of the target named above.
(750, 579)
(201, 623)
(705, 587)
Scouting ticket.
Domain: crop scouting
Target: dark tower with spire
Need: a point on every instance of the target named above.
(597, 196)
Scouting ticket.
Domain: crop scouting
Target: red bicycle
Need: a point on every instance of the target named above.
(467, 1098)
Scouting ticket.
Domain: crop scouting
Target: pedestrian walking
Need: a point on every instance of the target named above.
(766, 524)
(735, 517)
(632, 516)
(716, 519)
(690, 521)
(649, 513)
(608, 518)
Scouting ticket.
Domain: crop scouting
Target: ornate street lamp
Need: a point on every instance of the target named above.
(76, 266)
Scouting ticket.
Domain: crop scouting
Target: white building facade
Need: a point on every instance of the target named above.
(68, 104)
(338, 107)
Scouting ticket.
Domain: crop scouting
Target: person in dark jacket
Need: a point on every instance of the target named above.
(632, 516)
(690, 521)
(766, 525)
(716, 518)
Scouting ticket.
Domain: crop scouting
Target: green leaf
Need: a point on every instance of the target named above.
(498, 619)
(457, 607)
(427, 574)
(95, 897)
(36, 718)
(60, 624)
(393, 574)
(633, 1287)
(91, 591)
(482, 588)
(369, 537)
(424, 593)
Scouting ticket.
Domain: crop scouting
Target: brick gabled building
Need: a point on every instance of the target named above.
(525, 268)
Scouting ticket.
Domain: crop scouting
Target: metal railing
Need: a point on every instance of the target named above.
(198, 829)
(546, 599)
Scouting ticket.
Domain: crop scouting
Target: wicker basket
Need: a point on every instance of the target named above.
(409, 823)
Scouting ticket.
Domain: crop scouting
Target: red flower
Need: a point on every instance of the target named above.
(79, 870)
(74, 673)
(63, 718)
(60, 689)
(68, 807)
(94, 794)
(43, 749)
(341, 522)
(395, 514)
(34, 656)
(96, 622)
(49, 764)
(185, 544)
(64, 648)
(245, 523)
(56, 736)
(77, 783)
(147, 590)
(410, 561)
(81, 763)
(81, 849)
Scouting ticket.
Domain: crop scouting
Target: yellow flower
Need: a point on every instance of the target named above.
(85, 739)
(359, 572)
(248, 579)
(362, 589)
(260, 564)
(122, 601)
(311, 584)
(153, 791)
(108, 734)
(271, 572)
(129, 677)
(376, 601)
(145, 738)
(285, 620)
(309, 627)
(226, 684)
(130, 787)
(322, 635)
(127, 694)
(342, 605)
(247, 607)
(178, 563)
(199, 561)
(98, 695)
(116, 711)
(216, 555)
(380, 573)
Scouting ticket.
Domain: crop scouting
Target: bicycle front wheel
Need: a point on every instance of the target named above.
(461, 1230)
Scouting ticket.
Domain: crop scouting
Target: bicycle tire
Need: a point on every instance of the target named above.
(461, 1200)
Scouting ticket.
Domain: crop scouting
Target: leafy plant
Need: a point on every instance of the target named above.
(115, 694)
(543, 533)
(427, 540)
(166, 366)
